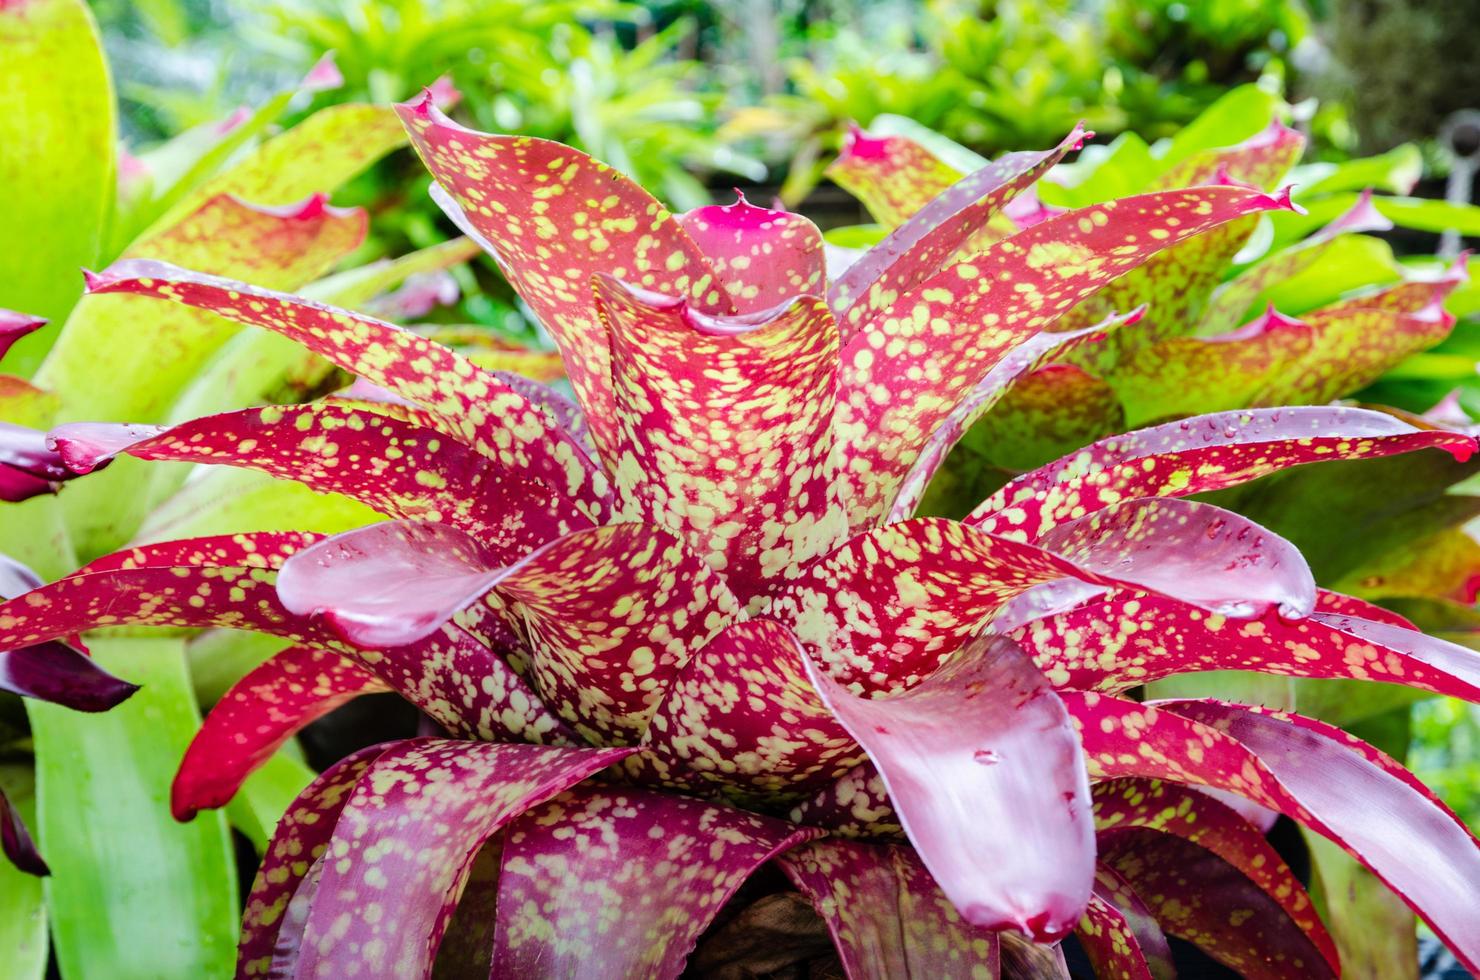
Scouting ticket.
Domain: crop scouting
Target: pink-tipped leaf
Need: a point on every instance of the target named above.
(763, 258)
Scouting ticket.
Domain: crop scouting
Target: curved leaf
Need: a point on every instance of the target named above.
(763, 258)
(1119, 934)
(893, 176)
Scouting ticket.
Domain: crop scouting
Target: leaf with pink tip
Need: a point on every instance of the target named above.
(1198, 896)
(299, 841)
(622, 882)
(778, 737)
(28, 467)
(490, 416)
(763, 258)
(986, 737)
(893, 176)
(406, 839)
(554, 217)
(912, 364)
(1132, 805)
(887, 916)
(1228, 304)
(1262, 160)
(252, 721)
(393, 583)
(14, 326)
(945, 226)
(1196, 455)
(1119, 934)
(724, 429)
(400, 468)
(1193, 375)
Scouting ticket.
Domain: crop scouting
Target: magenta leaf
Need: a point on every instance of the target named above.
(14, 326)
(253, 720)
(617, 882)
(16, 843)
(763, 258)
(28, 466)
(406, 839)
(887, 916)
(983, 767)
(1119, 934)
(1196, 455)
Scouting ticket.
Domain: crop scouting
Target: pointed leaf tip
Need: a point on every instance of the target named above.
(324, 75)
(87, 446)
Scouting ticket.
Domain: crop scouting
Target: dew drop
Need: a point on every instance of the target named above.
(986, 757)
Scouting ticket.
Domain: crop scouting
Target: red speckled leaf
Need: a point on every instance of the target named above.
(893, 176)
(400, 468)
(1198, 896)
(763, 258)
(1186, 375)
(923, 244)
(984, 770)
(494, 419)
(724, 429)
(553, 217)
(1119, 934)
(1345, 605)
(14, 326)
(777, 737)
(616, 882)
(1123, 805)
(1232, 300)
(405, 841)
(857, 805)
(1017, 365)
(1122, 642)
(1197, 455)
(887, 916)
(912, 364)
(300, 839)
(261, 712)
(393, 583)
(258, 549)
(16, 843)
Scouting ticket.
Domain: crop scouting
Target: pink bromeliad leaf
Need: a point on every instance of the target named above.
(620, 882)
(14, 326)
(394, 583)
(883, 610)
(983, 767)
(1119, 934)
(724, 429)
(1263, 159)
(486, 413)
(887, 916)
(1149, 806)
(911, 364)
(703, 731)
(405, 840)
(1317, 775)
(586, 218)
(16, 842)
(401, 468)
(1197, 455)
(893, 176)
(253, 720)
(922, 245)
(763, 258)
(28, 466)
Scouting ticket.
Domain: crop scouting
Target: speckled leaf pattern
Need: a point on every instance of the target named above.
(742, 714)
(886, 915)
(724, 430)
(913, 363)
(1196, 895)
(1167, 808)
(892, 175)
(402, 469)
(493, 418)
(620, 882)
(762, 257)
(942, 227)
(554, 217)
(1196, 455)
(405, 840)
(1122, 642)
(985, 735)
(1119, 935)
(253, 720)
(300, 839)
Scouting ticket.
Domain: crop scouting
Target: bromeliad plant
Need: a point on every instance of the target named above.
(690, 627)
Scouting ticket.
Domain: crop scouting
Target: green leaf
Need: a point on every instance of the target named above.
(264, 797)
(1239, 114)
(132, 892)
(22, 897)
(1348, 263)
(1125, 168)
(227, 501)
(57, 130)
(1395, 172)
